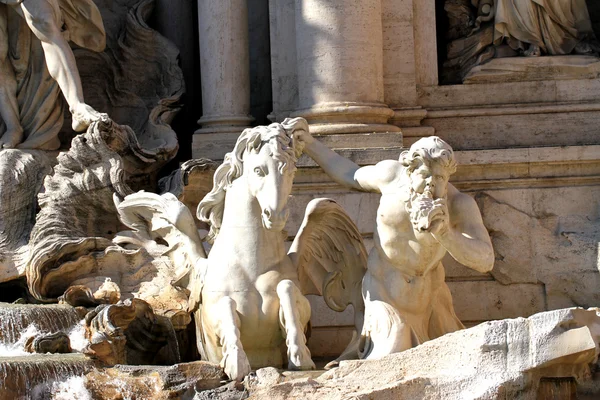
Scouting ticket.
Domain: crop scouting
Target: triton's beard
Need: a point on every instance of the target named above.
(420, 207)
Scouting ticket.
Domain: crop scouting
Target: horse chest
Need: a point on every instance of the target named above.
(241, 276)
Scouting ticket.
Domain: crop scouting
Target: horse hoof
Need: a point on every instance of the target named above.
(299, 359)
(236, 365)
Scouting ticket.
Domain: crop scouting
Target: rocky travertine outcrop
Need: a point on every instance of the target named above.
(130, 333)
(495, 360)
(71, 242)
(22, 175)
(53, 343)
(190, 182)
(144, 382)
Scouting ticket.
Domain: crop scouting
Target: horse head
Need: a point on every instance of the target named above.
(266, 158)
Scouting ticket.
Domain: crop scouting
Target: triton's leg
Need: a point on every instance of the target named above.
(234, 362)
(43, 18)
(384, 331)
(294, 314)
(9, 108)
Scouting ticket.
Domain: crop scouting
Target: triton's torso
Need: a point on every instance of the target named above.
(398, 244)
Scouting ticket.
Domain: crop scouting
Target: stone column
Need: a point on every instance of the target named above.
(225, 75)
(340, 66)
(407, 27)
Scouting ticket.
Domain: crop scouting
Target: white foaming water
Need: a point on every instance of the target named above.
(18, 348)
(77, 337)
(70, 389)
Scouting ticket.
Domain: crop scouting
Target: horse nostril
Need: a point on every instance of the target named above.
(267, 213)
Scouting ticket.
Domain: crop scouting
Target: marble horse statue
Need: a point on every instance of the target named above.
(249, 293)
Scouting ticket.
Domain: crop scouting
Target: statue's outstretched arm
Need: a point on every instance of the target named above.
(340, 169)
(345, 172)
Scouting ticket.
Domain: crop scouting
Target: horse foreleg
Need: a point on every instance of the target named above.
(294, 314)
(234, 361)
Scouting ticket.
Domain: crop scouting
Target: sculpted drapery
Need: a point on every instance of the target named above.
(555, 26)
(481, 30)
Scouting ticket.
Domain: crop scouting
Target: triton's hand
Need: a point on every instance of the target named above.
(440, 222)
(427, 212)
(303, 136)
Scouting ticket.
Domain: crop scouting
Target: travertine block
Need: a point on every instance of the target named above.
(329, 342)
(487, 300)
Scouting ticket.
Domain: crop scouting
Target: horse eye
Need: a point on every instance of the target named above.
(258, 171)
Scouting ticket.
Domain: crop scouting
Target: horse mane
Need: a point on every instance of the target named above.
(286, 149)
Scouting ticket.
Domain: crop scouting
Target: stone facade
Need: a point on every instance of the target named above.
(370, 77)
(366, 77)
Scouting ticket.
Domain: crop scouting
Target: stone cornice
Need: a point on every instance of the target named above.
(493, 169)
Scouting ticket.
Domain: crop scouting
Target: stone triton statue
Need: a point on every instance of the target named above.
(420, 218)
(249, 292)
(54, 23)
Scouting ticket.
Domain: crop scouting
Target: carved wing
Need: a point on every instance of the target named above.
(330, 256)
(164, 226)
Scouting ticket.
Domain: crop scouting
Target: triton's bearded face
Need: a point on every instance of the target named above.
(428, 190)
(430, 179)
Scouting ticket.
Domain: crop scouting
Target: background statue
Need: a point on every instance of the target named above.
(53, 23)
(537, 27)
(420, 217)
(120, 155)
(483, 29)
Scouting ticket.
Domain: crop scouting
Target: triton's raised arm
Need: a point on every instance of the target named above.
(371, 178)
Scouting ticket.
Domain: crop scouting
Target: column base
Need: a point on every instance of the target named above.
(348, 118)
(211, 122)
(218, 135)
(216, 144)
(409, 120)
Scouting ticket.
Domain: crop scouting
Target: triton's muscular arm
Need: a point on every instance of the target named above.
(464, 236)
(345, 172)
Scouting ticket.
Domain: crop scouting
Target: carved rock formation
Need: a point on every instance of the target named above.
(190, 183)
(129, 333)
(494, 360)
(57, 342)
(145, 382)
(138, 82)
(67, 251)
(22, 175)
(82, 296)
